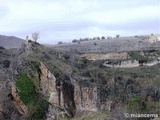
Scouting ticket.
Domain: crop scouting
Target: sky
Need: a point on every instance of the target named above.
(65, 20)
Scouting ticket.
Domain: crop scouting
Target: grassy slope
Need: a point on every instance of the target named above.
(103, 46)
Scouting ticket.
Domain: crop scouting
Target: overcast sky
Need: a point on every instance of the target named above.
(65, 20)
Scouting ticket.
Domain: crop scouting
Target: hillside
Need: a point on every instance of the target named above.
(40, 83)
(105, 45)
(10, 42)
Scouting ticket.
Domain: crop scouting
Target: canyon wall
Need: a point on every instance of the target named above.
(128, 63)
(91, 56)
(67, 98)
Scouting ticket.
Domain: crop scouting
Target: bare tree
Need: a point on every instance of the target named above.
(117, 36)
(35, 36)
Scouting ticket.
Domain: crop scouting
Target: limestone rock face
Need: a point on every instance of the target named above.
(88, 99)
(49, 86)
(51, 89)
(19, 104)
(11, 105)
(1, 100)
(106, 56)
(85, 98)
(72, 98)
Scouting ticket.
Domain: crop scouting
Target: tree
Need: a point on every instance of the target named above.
(102, 37)
(98, 38)
(35, 36)
(60, 42)
(109, 37)
(74, 41)
(117, 36)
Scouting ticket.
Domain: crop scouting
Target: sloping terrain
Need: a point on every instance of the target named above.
(55, 84)
(105, 45)
(10, 42)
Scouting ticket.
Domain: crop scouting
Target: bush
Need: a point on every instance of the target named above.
(6, 63)
(36, 105)
(137, 56)
(117, 36)
(134, 103)
(102, 37)
(26, 89)
(60, 42)
(1, 47)
(84, 60)
(95, 43)
(74, 41)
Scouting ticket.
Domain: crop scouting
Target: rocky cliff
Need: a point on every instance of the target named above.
(40, 83)
(122, 55)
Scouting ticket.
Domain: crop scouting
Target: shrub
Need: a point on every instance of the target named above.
(1, 47)
(134, 103)
(102, 37)
(74, 41)
(6, 63)
(26, 89)
(117, 36)
(60, 42)
(84, 60)
(137, 56)
(141, 106)
(36, 105)
(95, 43)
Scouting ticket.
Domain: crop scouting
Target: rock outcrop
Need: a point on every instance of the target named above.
(72, 98)
(129, 63)
(69, 98)
(123, 55)
(54, 90)
(49, 87)
(85, 98)
(86, 89)
(18, 103)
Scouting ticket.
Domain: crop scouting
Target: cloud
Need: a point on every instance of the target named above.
(27, 14)
(124, 15)
(66, 20)
(4, 12)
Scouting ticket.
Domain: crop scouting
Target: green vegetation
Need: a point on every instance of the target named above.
(134, 103)
(138, 56)
(100, 115)
(137, 105)
(26, 89)
(35, 64)
(123, 86)
(37, 106)
(84, 60)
